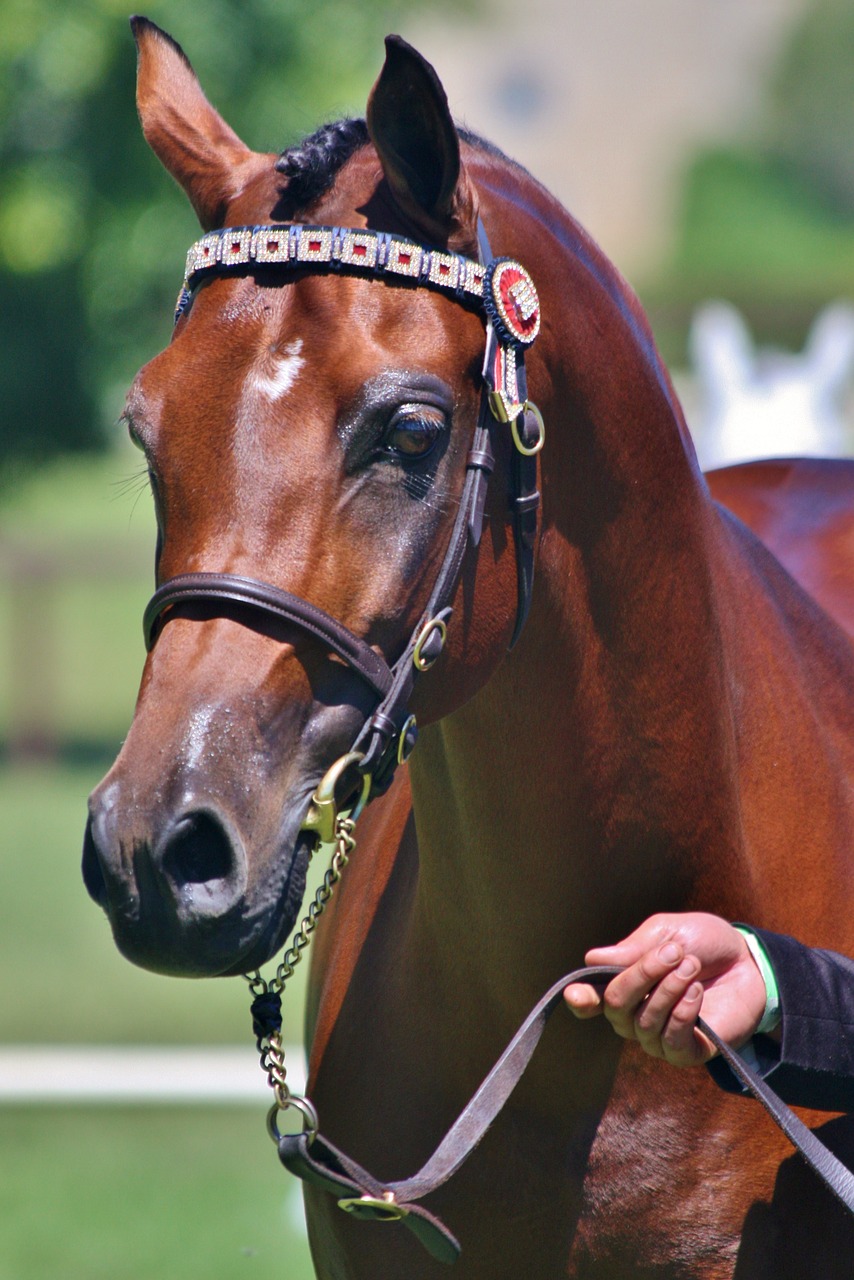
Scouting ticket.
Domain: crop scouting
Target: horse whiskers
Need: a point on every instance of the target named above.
(423, 489)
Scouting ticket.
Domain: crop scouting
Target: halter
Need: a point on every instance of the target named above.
(505, 294)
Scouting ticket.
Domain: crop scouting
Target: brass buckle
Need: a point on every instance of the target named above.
(323, 811)
(371, 1208)
(406, 739)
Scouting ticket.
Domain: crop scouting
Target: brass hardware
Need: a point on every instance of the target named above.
(323, 810)
(310, 1121)
(272, 1052)
(425, 663)
(498, 405)
(410, 727)
(385, 1209)
(529, 450)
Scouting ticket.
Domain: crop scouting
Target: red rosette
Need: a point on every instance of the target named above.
(511, 301)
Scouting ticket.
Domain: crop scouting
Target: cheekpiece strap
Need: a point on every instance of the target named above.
(505, 294)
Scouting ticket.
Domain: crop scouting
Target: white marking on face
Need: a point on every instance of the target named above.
(279, 372)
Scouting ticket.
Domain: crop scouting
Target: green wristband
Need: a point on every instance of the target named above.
(772, 1015)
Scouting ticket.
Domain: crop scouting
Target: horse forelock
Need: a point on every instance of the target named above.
(312, 165)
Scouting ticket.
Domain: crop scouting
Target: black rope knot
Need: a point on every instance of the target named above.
(266, 1010)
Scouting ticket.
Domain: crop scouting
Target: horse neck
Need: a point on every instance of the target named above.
(592, 778)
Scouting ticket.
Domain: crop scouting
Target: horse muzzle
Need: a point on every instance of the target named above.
(180, 898)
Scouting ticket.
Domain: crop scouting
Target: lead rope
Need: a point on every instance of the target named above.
(314, 1159)
(266, 1007)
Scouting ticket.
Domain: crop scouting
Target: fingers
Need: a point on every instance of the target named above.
(665, 1023)
(655, 1001)
(626, 993)
(583, 1000)
(629, 991)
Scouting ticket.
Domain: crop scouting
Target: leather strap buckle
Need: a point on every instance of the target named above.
(373, 1208)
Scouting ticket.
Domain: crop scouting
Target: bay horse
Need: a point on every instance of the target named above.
(672, 729)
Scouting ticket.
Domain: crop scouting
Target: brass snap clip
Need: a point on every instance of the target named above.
(325, 807)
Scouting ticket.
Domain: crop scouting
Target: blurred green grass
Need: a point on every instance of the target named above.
(107, 1193)
(153, 1194)
(76, 551)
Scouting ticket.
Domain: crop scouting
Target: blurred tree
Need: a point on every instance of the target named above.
(92, 232)
(811, 103)
(768, 221)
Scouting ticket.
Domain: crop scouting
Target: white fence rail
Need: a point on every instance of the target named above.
(138, 1075)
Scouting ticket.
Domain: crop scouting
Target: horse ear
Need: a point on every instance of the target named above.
(829, 349)
(721, 350)
(203, 154)
(410, 125)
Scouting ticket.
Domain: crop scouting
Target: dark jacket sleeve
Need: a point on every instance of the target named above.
(813, 1065)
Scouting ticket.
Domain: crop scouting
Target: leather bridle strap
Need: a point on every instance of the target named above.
(317, 1161)
(507, 297)
(337, 638)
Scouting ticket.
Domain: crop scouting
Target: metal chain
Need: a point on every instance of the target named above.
(345, 845)
(270, 1046)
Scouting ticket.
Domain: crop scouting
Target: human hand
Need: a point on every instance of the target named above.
(676, 966)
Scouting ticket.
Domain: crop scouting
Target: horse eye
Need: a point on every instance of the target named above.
(132, 433)
(414, 431)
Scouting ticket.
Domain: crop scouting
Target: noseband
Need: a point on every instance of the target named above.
(505, 294)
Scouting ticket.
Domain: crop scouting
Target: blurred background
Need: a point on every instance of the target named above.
(708, 146)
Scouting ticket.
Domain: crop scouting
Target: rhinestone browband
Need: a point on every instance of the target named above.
(503, 287)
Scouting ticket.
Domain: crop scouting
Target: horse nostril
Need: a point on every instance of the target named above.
(199, 852)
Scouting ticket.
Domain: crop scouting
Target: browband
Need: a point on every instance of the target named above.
(502, 287)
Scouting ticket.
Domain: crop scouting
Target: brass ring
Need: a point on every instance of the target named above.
(402, 754)
(375, 1208)
(310, 1120)
(435, 624)
(524, 449)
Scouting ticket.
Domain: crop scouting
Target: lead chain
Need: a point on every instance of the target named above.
(267, 996)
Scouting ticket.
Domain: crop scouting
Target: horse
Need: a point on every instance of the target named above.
(755, 403)
(614, 699)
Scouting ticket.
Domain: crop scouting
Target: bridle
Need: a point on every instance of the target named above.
(505, 294)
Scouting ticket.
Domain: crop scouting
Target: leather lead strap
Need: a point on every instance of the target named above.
(319, 1162)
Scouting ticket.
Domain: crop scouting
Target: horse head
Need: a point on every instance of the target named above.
(309, 434)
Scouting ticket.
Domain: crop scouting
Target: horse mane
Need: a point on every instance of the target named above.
(312, 165)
